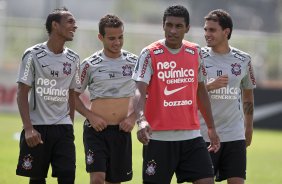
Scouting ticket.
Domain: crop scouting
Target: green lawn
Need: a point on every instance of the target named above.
(264, 156)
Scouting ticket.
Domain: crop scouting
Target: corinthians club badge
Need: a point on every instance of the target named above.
(151, 168)
(236, 69)
(127, 70)
(89, 157)
(67, 68)
(27, 160)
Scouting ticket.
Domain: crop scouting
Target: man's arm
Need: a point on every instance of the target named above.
(248, 107)
(32, 137)
(96, 121)
(71, 104)
(205, 109)
(144, 130)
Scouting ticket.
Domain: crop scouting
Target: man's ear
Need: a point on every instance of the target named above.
(187, 28)
(227, 32)
(100, 37)
(54, 25)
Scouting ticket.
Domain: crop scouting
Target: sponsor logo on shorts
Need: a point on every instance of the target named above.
(89, 157)
(151, 168)
(129, 173)
(27, 160)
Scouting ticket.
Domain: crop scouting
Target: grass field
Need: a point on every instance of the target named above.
(264, 156)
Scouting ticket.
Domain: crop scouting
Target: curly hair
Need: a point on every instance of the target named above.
(177, 11)
(56, 16)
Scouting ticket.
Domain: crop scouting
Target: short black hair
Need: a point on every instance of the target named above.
(223, 18)
(177, 11)
(56, 16)
(109, 21)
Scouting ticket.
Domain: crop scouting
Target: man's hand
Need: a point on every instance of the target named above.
(98, 123)
(144, 132)
(127, 124)
(32, 137)
(248, 135)
(214, 140)
(219, 82)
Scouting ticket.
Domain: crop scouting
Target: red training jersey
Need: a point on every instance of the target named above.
(172, 91)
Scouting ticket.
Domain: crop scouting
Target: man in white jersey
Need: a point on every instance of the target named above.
(109, 120)
(171, 74)
(48, 74)
(230, 82)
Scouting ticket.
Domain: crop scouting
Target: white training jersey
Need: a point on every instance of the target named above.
(226, 102)
(108, 77)
(50, 76)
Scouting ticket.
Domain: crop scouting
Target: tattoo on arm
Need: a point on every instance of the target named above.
(248, 108)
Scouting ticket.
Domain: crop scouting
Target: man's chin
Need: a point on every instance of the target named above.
(209, 44)
(116, 51)
(172, 41)
(69, 39)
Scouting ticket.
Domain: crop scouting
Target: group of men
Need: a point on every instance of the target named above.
(193, 106)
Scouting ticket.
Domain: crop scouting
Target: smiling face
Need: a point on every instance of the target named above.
(175, 29)
(112, 41)
(66, 27)
(215, 36)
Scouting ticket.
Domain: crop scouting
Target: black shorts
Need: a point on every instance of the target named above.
(188, 159)
(108, 151)
(58, 149)
(230, 160)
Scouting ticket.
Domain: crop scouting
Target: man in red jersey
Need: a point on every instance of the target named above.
(171, 74)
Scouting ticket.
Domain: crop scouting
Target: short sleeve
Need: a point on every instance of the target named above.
(75, 83)
(202, 73)
(84, 77)
(143, 68)
(26, 69)
(249, 81)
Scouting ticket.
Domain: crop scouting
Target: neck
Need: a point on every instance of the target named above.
(223, 49)
(110, 54)
(55, 45)
(173, 46)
